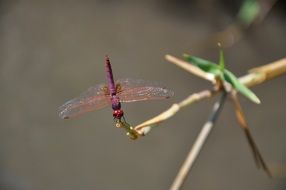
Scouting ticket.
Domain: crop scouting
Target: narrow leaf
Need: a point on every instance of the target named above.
(203, 64)
(221, 60)
(231, 78)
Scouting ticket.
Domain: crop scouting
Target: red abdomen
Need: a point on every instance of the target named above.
(118, 114)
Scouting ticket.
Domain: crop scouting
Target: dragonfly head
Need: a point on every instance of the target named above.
(118, 113)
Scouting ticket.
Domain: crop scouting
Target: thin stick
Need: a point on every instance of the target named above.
(196, 148)
(174, 109)
(191, 68)
(242, 121)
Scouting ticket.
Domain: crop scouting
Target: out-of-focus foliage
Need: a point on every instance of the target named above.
(248, 11)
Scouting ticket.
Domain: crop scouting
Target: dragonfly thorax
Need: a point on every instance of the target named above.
(116, 105)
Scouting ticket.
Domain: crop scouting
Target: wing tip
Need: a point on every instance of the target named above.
(63, 115)
(169, 93)
(62, 112)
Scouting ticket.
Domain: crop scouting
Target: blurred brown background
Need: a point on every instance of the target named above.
(51, 51)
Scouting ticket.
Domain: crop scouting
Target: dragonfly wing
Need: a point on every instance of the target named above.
(131, 90)
(94, 98)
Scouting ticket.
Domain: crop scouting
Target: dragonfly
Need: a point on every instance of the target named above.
(113, 94)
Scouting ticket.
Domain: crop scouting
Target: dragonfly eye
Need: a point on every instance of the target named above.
(118, 114)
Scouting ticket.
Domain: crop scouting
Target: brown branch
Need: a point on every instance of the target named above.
(242, 121)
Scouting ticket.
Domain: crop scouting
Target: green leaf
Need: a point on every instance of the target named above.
(203, 64)
(231, 78)
(221, 60)
(249, 11)
(224, 74)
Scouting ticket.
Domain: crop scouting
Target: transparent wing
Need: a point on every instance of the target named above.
(94, 98)
(131, 90)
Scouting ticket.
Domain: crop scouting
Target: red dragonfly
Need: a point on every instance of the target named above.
(102, 95)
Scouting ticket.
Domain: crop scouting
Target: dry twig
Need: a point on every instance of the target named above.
(260, 163)
(199, 142)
